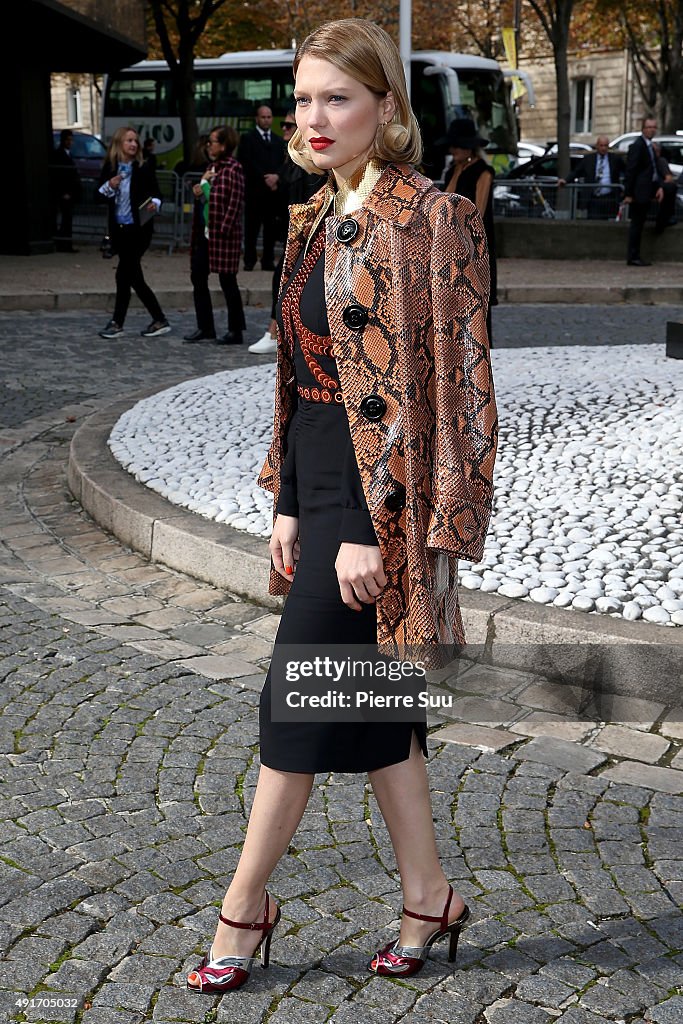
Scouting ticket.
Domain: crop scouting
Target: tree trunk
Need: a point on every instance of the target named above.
(563, 107)
(555, 17)
(183, 83)
(672, 92)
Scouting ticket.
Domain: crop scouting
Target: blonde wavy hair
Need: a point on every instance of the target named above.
(115, 151)
(365, 52)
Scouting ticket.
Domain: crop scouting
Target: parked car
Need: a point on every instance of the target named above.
(543, 167)
(530, 188)
(530, 150)
(87, 151)
(672, 148)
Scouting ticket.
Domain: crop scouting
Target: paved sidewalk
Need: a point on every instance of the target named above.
(85, 280)
(128, 758)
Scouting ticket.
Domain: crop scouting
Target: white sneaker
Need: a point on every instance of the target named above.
(264, 344)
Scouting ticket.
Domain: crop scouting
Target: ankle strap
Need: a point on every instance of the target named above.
(259, 926)
(443, 920)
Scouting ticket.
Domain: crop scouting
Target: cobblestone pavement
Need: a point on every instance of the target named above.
(128, 758)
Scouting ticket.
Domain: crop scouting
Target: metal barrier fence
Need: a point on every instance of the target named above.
(172, 225)
(530, 197)
(523, 197)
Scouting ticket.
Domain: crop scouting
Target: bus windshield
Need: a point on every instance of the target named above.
(484, 96)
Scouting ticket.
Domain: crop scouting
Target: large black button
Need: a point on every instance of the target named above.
(396, 499)
(373, 407)
(355, 317)
(347, 230)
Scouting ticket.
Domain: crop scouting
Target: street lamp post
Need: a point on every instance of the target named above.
(405, 34)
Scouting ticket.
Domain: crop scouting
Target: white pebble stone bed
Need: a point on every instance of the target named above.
(589, 477)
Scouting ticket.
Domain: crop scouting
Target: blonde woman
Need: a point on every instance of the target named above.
(132, 192)
(381, 467)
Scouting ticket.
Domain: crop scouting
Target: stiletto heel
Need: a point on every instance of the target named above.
(231, 972)
(453, 943)
(407, 960)
(265, 953)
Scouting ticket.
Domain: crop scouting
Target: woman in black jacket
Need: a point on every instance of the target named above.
(132, 192)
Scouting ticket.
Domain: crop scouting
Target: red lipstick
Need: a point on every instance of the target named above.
(320, 142)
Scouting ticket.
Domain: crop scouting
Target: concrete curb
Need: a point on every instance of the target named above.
(181, 298)
(596, 654)
(103, 301)
(163, 532)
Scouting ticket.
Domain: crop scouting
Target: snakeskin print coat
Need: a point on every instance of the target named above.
(406, 286)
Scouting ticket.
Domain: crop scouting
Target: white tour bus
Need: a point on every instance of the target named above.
(228, 90)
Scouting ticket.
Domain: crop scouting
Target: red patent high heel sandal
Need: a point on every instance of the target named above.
(407, 960)
(231, 972)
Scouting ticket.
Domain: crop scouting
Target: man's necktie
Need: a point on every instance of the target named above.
(268, 137)
(600, 174)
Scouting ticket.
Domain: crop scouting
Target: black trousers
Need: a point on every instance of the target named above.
(260, 209)
(233, 301)
(131, 243)
(64, 241)
(199, 275)
(638, 216)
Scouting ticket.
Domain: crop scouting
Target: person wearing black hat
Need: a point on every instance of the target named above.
(472, 177)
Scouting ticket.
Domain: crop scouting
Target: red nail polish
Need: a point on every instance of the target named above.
(289, 570)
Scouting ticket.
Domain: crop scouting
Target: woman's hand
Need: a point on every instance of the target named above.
(284, 545)
(360, 572)
(116, 180)
(197, 191)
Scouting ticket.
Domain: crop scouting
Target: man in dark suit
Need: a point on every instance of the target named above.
(66, 190)
(642, 184)
(605, 170)
(261, 154)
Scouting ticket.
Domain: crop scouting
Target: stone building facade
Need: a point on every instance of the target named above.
(604, 97)
(77, 101)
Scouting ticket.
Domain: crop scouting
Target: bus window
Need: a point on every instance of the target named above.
(484, 99)
(238, 94)
(133, 97)
(203, 98)
(165, 104)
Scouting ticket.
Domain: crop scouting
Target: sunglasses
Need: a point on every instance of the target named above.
(287, 124)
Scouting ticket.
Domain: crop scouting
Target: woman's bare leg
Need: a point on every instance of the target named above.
(279, 803)
(402, 792)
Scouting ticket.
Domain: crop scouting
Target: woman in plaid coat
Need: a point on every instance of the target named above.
(226, 208)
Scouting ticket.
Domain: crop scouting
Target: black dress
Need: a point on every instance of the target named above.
(467, 186)
(320, 484)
